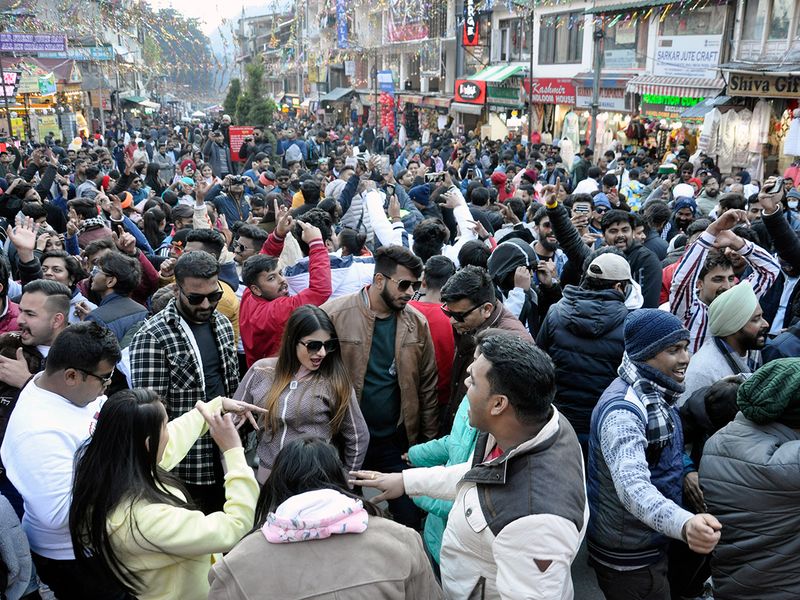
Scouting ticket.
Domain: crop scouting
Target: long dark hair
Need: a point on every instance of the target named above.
(152, 226)
(153, 180)
(303, 465)
(119, 464)
(304, 321)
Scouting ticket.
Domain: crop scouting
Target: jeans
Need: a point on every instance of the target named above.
(383, 454)
(646, 583)
(70, 580)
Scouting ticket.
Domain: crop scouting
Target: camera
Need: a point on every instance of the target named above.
(63, 170)
(237, 180)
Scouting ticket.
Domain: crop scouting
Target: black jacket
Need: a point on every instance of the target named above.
(583, 334)
(645, 266)
(787, 245)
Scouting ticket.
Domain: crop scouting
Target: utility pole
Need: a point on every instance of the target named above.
(530, 80)
(598, 65)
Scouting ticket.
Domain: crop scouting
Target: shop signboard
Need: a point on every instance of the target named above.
(665, 107)
(237, 135)
(386, 82)
(550, 91)
(82, 53)
(504, 97)
(48, 124)
(470, 34)
(611, 98)
(687, 55)
(47, 85)
(32, 42)
(342, 31)
(763, 85)
(624, 58)
(470, 92)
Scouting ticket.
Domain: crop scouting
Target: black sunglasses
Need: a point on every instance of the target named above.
(404, 284)
(458, 316)
(197, 299)
(104, 379)
(315, 346)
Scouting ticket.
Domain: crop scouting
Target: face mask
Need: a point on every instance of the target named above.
(792, 204)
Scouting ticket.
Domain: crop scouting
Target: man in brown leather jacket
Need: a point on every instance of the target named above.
(387, 348)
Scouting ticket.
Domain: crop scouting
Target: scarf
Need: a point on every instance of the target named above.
(657, 393)
(92, 223)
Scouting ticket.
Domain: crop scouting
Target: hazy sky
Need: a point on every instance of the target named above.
(211, 12)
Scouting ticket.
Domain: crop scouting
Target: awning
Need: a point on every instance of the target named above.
(134, 99)
(606, 81)
(688, 87)
(338, 94)
(434, 102)
(469, 109)
(411, 99)
(698, 111)
(149, 104)
(498, 73)
(628, 6)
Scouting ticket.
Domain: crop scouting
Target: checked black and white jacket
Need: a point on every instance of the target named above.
(165, 358)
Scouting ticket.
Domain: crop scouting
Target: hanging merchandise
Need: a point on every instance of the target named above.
(791, 145)
(570, 129)
(387, 112)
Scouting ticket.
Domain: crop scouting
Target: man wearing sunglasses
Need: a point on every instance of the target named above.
(187, 353)
(387, 348)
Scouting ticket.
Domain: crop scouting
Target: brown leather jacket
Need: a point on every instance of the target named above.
(414, 355)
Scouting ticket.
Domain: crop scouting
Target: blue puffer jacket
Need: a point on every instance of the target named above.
(582, 333)
(452, 449)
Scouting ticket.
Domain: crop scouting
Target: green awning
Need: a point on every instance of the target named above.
(134, 99)
(337, 94)
(498, 73)
(628, 6)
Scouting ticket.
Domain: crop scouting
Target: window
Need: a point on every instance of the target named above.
(514, 40)
(561, 39)
(625, 45)
(780, 19)
(709, 20)
(755, 11)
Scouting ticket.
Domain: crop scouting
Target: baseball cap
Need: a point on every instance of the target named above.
(609, 266)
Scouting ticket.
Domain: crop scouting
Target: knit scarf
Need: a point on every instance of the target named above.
(657, 393)
(92, 223)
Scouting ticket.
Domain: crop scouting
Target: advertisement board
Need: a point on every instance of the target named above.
(542, 90)
(470, 34)
(237, 135)
(33, 42)
(470, 92)
(687, 55)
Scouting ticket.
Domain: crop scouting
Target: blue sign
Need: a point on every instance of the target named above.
(82, 53)
(341, 24)
(386, 82)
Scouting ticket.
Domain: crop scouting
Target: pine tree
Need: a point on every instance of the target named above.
(232, 99)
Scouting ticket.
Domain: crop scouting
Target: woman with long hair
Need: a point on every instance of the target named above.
(306, 391)
(153, 181)
(132, 520)
(154, 225)
(307, 516)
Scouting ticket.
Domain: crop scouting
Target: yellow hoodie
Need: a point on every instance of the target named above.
(170, 548)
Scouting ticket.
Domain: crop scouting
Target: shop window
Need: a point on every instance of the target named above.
(561, 39)
(780, 19)
(514, 43)
(625, 45)
(709, 20)
(755, 11)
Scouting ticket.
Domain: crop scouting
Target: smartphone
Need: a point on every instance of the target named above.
(777, 187)
(434, 177)
(581, 209)
(389, 190)
(470, 173)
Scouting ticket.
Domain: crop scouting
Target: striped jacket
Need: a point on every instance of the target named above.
(166, 359)
(683, 299)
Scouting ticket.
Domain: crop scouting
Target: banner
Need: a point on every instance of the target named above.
(237, 135)
(10, 84)
(471, 92)
(469, 33)
(47, 84)
(33, 42)
(82, 53)
(386, 82)
(550, 91)
(408, 20)
(342, 31)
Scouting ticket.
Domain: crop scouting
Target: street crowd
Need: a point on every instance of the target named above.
(216, 366)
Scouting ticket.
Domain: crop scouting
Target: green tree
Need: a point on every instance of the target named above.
(231, 100)
(262, 112)
(243, 107)
(255, 79)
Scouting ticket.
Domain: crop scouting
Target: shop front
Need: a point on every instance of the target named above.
(336, 105)
(469, 100)
(616, 108)
(550, 99)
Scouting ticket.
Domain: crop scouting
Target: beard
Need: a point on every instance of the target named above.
(548, 245)
(712, 193)
(392, 302)
(758, 341)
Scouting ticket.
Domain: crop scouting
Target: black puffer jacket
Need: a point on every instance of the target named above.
(582, 333)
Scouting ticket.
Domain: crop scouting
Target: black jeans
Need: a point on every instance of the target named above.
(383, 454)
(69, 580)
(647, 583)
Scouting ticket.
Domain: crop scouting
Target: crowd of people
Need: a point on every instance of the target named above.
(215, 367)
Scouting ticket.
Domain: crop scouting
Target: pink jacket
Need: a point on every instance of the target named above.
(8, 322)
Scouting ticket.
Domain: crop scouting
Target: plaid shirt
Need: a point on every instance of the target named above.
(163, 359)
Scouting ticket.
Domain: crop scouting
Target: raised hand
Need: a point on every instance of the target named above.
(309, 232)
(284, 222)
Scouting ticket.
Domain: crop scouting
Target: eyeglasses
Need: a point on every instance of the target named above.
(96, 270)
(601, 210)
(197, 299)
(404, 284)
(314, 346)
(104, 379)
(458, 316)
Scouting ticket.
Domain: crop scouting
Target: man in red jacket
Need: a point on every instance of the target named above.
(266, 304)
